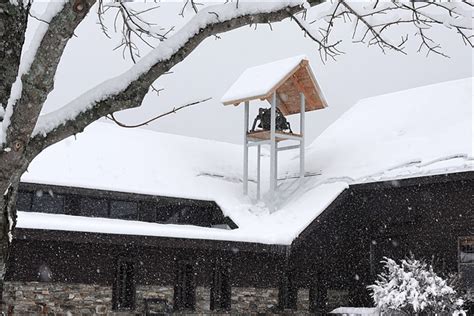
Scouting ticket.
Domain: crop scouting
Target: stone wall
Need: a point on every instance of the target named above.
(302, 304)
(40, 298)
(203, 299)
(144, 292)
(254, 300)
(37, 298)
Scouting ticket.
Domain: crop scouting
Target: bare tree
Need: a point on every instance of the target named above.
(25, 133)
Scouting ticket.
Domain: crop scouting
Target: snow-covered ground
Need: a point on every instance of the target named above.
(411, 133)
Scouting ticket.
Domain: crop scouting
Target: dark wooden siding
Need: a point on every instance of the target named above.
(424, 217)
(119, 205)
(84, 262)
(340, 250)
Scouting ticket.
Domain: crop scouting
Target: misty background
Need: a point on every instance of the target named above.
(212, 68)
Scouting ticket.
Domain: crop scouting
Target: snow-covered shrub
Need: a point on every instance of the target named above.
(413, 287)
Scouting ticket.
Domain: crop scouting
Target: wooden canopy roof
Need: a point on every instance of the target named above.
(289, 78)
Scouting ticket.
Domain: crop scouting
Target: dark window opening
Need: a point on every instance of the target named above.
(221, 287)
(163, 213)
(317, 297)
(147, 212)
(185, 288)
(48, 202)
(165, 210)
(72, 205)
(287, 293)
(24, 201)
(202, 213)
(124, 210)
(124, 286)
(466, 250)
(94, 207)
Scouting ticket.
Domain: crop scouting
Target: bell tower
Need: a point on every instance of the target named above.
(289, 85)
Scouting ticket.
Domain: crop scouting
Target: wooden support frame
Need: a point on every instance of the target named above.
(288, 136)
(272, 138)
(259, 149)
(273, 147)
(288, 147)
(302, 132)
(246, 148)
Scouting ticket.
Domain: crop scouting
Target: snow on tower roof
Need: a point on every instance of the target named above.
(411, 133)
(288, 77)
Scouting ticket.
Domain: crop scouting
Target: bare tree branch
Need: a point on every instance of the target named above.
(36, 84)
(325, 50)
(133, 27)
(39, 80)
(173, 111)
(133, 95)
(24, 143)
(377, 38)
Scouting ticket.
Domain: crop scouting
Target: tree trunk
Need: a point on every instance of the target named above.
(13, 20)
(7, 223)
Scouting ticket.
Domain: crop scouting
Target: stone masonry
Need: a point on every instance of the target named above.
(302, 304)
(40, 298)
(254, 300)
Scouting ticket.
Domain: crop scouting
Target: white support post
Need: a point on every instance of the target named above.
(246, 148)
(273, 151)
(259, 147)
(302, 132)
(276, 163)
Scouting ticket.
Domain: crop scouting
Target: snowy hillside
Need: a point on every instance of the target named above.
(411, 133)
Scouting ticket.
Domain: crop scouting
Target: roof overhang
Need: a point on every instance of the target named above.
(299, 79)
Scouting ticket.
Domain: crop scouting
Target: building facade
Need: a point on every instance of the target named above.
(329, 265)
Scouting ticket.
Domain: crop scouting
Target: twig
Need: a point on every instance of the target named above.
(174, 110)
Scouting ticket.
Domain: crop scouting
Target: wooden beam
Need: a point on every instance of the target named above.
(246, 148)
(302, 132)
(268, 94)
(302, 89)
(315, 84)
(273, 152)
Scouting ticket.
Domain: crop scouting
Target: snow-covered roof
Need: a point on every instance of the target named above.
(421, 131)
(288, 77)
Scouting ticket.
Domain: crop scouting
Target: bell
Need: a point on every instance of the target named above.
(264, 119)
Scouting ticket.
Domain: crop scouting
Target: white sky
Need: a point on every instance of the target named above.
(216, 63)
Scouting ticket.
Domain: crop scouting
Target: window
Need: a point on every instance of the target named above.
(185, 288)
(287, 293)
(124, 210)
(23, 201)
(318, 295)
(48, 202)
(466, 250)
(124, 286)
(147, 212)
(72, 204)
(180, 215)
(94, 207)
(221, 288)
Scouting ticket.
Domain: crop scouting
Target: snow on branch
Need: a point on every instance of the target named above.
(413, 287)
(132, 26)
(371, 22)
(208, 21)
(27, 59)
(374, 23)
(325, 49)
